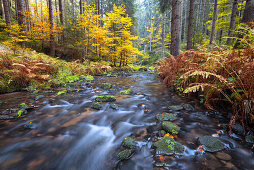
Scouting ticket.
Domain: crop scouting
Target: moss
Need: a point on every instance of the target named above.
(96, 106)
(125, 154)
(129, 143)
(106, 86)
(170, 127)
(126, 92)
(211, 144)
(23, 106)
(166, 116)
(105, 98)
(168, 146)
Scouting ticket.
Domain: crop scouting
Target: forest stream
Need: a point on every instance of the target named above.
(64, 132)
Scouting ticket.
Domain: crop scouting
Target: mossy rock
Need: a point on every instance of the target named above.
(126, 92)
(96, 106)
(114, 106)
(105, 98)
(166, 116)
(170, 127)
(106, 86)
(169, 146)
(125, 154)
(162, 133)
(21, 112)
(38, 97)
(211, 144)
(129, 142)
(175, 108)
(249, 139)
(188, 107)
(23, 106)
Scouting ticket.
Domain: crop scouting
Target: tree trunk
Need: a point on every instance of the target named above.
(61, 14)
(233, 18)
(2, 9)
(214, 22)
(175, 31)
(163, 36)
(248, 15)
(81, 6)
(151, 26)
(7, 13)
(185, 23)
(73, 13)
(52, 38)
(22, 18)
(190, 25)
(98, 7)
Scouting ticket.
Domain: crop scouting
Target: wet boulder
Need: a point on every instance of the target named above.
(188, 107)
(114, 106)
(105, 98)
(249, 139)
(238, 129)
(126, 92)
(161, 133)
(170, 127)
(211, 144)
(129, 142)
(125, 154)
(96, 106)
(168, 146)
(106, 86)
(176, 107)
(39, 97)
(166, 116)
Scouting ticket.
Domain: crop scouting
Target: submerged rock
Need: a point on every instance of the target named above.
(211, 144)
(170, 127)
(169, 146)
(38, 97)
(106, 86)
(126, 92)
(114, 106)
(129, 143)
(188, 107)
(176, 107)
(249, 139)
(96, 106)
(105, 98)
(125, 154)
(166, 116)
(238, 129)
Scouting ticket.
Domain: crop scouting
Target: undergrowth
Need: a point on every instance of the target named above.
(216, 77)
(31, 70)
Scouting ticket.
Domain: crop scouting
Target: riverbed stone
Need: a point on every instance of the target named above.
(211, 144)
(106, 86)
(38, 97)
(175, 107)
(129, 142)
(96, 106)
(166, 116)
(161, 133)
(188, 107)
(105, 98)
(125, 154)
(168, 146)
(126, 92)
(170, 127)
(238, 129)
(114, 106)
(223, 156)
(249, 139)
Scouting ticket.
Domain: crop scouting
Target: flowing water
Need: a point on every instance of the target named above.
(67, 134)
